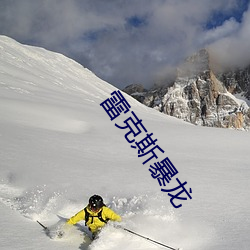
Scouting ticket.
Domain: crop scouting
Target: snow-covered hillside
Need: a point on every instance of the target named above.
(59, 146)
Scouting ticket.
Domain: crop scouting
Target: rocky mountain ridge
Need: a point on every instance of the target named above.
(200, 95)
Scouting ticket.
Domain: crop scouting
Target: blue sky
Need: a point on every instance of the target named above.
(131, 41)
(218, 17)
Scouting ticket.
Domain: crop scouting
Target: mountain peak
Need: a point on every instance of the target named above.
(197, 64)
(200, 96)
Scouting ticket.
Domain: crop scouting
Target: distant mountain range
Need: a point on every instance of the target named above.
(202, 94)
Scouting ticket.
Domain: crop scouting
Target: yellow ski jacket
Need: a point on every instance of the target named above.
(94, 223)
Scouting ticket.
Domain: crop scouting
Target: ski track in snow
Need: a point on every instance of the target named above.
(139, 214)
(43, 117)
(39, 204)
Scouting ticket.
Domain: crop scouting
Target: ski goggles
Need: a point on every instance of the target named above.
(94, 208)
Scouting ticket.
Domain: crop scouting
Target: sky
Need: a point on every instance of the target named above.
(132, 41)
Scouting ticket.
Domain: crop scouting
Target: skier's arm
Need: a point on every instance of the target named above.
(77, 217)
(110, 214)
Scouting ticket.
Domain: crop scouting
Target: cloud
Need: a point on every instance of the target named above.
(233, 49)
(228, 28)
(125, 42)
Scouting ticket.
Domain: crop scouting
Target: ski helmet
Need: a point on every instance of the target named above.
(95, 202)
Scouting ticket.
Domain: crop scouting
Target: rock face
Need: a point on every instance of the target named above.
(237, 81)
(137, 91)
(201, 97)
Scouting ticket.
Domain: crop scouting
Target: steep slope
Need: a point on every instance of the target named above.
(59, 146)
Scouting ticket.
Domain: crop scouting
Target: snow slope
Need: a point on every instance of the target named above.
(58, 147)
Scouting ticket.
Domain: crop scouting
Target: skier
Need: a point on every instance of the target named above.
(95, 214)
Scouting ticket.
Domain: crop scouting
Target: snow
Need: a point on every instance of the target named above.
(242, 99)
(58, 147)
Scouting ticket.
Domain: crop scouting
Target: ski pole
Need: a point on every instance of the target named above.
(45, 228)
(149, 239)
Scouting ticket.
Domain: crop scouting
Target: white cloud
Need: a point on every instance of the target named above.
(228, 28)
(97, 32)
(233, 49)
